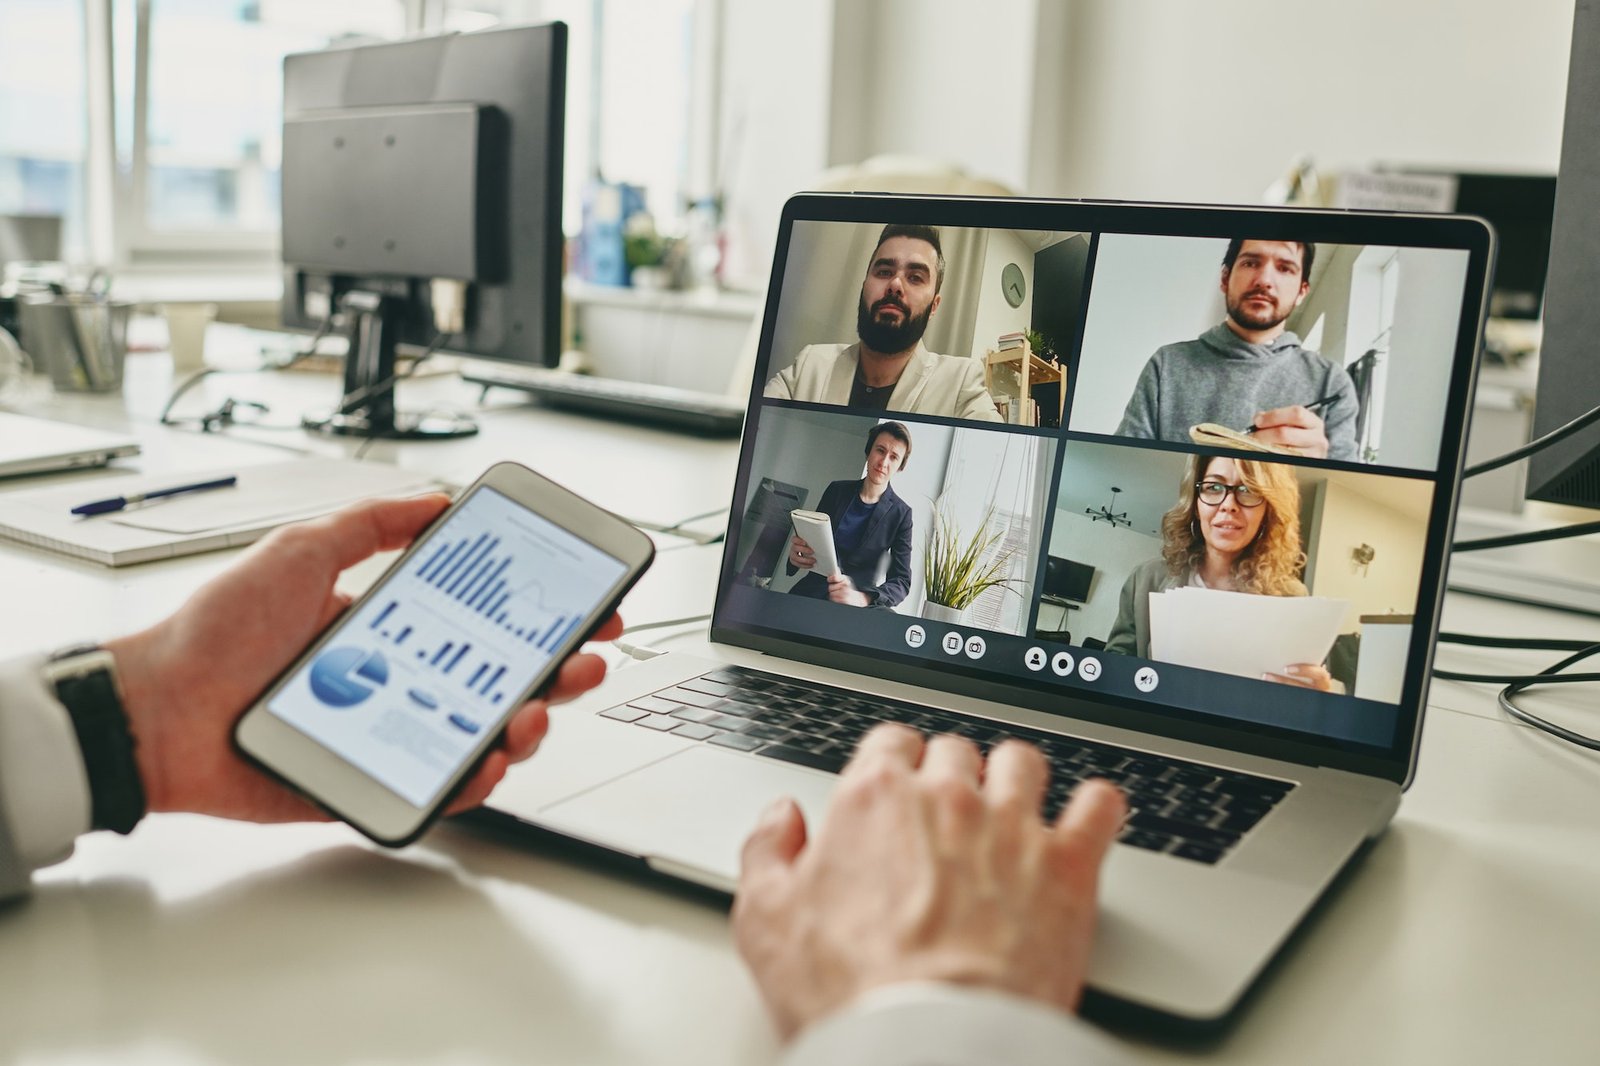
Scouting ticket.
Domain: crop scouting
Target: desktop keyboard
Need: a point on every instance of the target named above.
(684, 409)
(1180, 808)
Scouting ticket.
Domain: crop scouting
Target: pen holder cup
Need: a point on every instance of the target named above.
(81, 342)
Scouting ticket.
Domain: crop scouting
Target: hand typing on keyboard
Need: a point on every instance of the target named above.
(930, 866)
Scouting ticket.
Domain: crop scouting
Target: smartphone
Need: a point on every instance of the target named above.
(392, 709)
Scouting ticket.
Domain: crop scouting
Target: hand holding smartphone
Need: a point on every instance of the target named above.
(393, 707)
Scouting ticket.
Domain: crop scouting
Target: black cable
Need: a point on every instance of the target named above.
(1577, 529)
(1581, 422)
(223, 415)
(1537, 643)
(387, 383)
(1523, 715)
(1518, 683)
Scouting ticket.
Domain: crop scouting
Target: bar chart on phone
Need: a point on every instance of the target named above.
(440, 652)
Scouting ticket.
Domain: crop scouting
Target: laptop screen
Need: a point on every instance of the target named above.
(1116, 460)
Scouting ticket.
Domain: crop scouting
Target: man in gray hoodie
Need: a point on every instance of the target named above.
(1249, 371)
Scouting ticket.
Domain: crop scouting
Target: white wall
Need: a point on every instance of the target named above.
(1148, 291)
(1421, 350)
(1114, 552)
(941, 79)
(1134, 99)
(995, 316)
(1176, 100)
(1351, 518)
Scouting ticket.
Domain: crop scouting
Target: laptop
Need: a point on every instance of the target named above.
(39, 446)
(1263, 718)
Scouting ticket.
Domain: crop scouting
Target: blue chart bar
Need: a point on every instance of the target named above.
(567, 631)
(473, 680)
(489, 684)
(441, 653)
(435, 557)
(458, 657)
(404, 633)
(492, 569)
(456, 561)
(444, 564)
(378, 621)
(491, 586)
(548, 633)
(476, 559)
(490, 597)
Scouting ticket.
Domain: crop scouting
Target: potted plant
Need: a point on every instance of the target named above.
(957, 570)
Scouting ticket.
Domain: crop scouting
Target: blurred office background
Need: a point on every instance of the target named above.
(153, 126)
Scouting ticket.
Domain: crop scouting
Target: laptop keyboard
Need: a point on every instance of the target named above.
(1186, 809)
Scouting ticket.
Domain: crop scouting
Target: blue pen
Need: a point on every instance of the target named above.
(117, 503)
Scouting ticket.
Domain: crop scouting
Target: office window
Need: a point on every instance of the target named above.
(629, 92)
(43, 116)
(199, 105)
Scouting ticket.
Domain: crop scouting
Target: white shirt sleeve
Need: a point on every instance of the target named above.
(928, 1024)
(44, 789)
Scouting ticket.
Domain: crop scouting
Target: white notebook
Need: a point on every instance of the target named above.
(816, 530)
(266, 496)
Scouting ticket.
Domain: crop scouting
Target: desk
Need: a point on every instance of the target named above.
(1469, 934)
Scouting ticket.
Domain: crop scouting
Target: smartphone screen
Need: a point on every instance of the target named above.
(407, 685)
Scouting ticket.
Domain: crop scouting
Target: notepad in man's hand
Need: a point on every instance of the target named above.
(1211, 435)
(816, 529)
(266, 496)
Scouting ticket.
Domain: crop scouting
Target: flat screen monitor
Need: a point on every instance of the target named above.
(1569, 372)
(1065, 579)
(422, 199)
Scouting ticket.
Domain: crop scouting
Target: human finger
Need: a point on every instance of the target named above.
(477, 789)
(580, 673)
(1289, 678)
(1015, 777)
(526, 730)
(373, 526)
(890, 742)
(1311, 675)
(952, 758)
(1294, 415)
(610, 629)
(775, 842)
(1089, 823)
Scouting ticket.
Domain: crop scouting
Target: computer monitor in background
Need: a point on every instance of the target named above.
(1519, 206)
(422, 205)
(1569, 355)
(30, 239)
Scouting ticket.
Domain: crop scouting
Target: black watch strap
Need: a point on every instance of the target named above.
(85, 681)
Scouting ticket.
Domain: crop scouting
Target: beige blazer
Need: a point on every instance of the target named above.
(932, 384)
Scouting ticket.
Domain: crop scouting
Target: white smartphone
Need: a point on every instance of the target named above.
(393, 707)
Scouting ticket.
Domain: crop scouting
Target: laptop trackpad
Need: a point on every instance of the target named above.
(690, 813)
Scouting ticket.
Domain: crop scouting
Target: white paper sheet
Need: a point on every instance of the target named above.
(1241, 633)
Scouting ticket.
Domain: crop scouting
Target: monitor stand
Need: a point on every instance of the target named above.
(367, 407)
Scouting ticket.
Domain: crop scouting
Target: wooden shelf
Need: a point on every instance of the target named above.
(1010, 375)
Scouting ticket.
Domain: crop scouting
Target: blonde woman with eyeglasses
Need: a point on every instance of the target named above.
(1235, 527)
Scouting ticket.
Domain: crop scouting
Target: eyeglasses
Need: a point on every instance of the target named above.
(1214, 492)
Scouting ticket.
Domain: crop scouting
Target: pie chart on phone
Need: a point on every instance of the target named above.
(345, 677)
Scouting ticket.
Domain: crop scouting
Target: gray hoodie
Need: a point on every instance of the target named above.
(1222, 378)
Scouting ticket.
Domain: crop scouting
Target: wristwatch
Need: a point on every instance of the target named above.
(85, 681)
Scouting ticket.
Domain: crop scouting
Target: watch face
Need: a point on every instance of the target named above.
(1013, 283)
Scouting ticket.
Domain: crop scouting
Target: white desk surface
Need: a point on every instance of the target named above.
(1469, 934)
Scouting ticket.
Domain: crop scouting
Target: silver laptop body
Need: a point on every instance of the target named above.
(1393, 304)
(39, 446)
